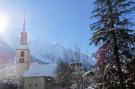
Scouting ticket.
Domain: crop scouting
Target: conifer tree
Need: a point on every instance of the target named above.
(113, 29)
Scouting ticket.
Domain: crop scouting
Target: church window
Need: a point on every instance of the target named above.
(36, 85)
(81, 70)
(22, 53)
(21, 60)
(29, 85)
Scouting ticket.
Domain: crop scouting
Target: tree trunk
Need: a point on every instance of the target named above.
(115, 46)
(117, 60)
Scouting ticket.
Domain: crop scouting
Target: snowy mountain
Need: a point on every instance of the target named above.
(53, 52)
(44, 52)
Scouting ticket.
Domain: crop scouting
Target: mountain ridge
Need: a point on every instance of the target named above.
(45, 53)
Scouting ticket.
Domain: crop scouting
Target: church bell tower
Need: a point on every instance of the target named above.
(22, 53)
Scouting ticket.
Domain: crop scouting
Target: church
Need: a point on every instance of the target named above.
(33, 74)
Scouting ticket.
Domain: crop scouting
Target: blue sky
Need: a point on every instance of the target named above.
(62, 21)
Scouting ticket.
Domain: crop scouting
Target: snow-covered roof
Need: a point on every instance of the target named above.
(88, 73)
(36, 70)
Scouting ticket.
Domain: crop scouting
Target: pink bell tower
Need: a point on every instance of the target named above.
(23, 40)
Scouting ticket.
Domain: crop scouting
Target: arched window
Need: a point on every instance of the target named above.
(22, 53)
(29, 85)
(21, 60)
(36, 85)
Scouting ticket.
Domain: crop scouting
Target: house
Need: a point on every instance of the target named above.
(38, 76)
(6, 65)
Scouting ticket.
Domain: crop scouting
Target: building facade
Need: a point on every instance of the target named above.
(35, 83)
(39, 76)
(33, 74)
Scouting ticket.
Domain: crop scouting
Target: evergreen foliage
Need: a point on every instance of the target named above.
(114, 31)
